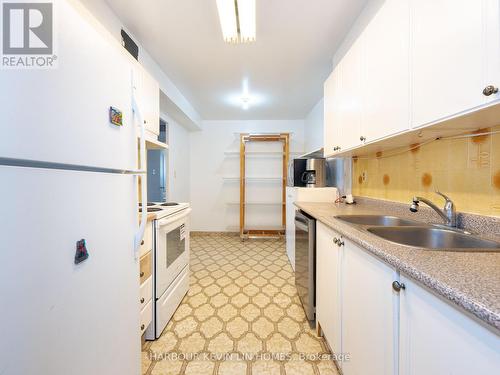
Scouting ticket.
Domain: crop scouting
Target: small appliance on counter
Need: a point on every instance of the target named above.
(314, 175)
(307, 172)
(296, 168)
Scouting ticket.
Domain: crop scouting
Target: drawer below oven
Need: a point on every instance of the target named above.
(170, 300)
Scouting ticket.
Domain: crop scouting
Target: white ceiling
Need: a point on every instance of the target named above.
(285, 68)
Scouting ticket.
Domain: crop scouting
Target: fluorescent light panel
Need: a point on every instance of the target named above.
(234, 14)
(227, 17)
(246, 15)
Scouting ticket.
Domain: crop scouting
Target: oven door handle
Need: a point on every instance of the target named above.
(174, 218)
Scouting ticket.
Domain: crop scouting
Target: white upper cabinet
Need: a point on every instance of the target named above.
(492, 42)
(148, 97)
(436, 338)
(331, 129)
(385, 84)
(369, 305)
(151, 92)
(448, 58)
(349, 98)
(415, 63)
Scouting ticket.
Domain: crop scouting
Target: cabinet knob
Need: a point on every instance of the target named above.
(141, 274)
(335, 240)
(490, 90)
(142, 327)
(142, 242)
(142, 300)
(397, 286)
(362, 138)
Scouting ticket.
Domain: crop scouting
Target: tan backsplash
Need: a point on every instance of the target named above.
(466, 169)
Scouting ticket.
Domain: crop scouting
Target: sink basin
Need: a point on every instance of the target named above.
(434, 238)
(378, 220)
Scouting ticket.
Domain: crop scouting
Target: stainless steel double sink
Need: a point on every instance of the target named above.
(413, 233)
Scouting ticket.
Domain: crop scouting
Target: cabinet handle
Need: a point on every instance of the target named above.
(362, 138)
(142, 242)
(141, 274)
(142, 300)
(335, 240)
(340, 243)
(142, 327)
(490, 90)
(397, 286)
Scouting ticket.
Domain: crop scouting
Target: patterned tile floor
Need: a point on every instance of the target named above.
(242, 315)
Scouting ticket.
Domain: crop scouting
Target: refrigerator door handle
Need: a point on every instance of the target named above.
(142, 149)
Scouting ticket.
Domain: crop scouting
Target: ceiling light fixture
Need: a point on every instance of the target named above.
(245, 102)
(237, 20)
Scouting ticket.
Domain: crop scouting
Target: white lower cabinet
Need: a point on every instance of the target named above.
(436, 338)
(369, 319)
(328, 298)
(385, 332)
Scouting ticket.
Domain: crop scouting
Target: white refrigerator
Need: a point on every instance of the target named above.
(67, 174)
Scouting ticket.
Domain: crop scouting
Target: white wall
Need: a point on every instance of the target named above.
(210, 193)
(178, 161)
(313, 137)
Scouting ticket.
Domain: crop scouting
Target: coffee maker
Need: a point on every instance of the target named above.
(314, 173)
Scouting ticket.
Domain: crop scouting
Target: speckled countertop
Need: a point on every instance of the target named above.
(469, 279)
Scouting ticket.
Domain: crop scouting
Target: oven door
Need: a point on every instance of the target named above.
(172, 249)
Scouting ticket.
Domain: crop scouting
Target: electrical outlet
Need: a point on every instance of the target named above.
(364, 176)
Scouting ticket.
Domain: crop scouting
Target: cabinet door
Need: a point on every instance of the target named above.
(385, 86)
(148, 98)
(369, 320)
(448, 58)
(492, 37)
(349, 98)
(151, 100)
(328, 255)
(436, 338)
(331, 111)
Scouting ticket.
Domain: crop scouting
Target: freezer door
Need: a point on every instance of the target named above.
(62, 114)
(59, 317)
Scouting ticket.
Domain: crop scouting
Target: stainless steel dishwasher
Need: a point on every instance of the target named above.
(305, 258)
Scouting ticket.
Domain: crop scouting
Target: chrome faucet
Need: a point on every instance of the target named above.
(448, 213)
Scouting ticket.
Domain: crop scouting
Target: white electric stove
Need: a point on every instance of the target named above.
(171, 262)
